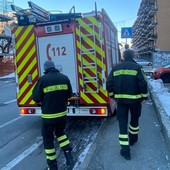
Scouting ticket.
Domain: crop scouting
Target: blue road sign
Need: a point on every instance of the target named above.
(126, 32)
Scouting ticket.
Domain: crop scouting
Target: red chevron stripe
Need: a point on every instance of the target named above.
(30, 86)
(25, 78)
(25, 53)
(20, 48)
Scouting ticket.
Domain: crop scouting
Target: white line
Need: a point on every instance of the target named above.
(11, 101)
(22, 156)
(10, 122)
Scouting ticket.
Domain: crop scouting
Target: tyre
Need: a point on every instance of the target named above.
(165, 78)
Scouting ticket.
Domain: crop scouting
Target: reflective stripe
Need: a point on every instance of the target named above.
(128, 96)
(48, 151)
(111, 94)
(123, 139)
(64, 143)
(125, 72)
(123, 136)
(124, 142)
(133, 132)
(55, 88)
(133, 128)
(145, 95)
(53, 115)
(62, 138)
(51, 157)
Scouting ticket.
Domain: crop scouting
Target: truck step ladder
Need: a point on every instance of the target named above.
(88, 59)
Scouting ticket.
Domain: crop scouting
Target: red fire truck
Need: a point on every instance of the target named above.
(83, 46)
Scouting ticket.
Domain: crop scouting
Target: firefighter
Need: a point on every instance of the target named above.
(53, 90)
(127, 84)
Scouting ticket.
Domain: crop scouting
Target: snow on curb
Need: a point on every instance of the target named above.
(157, 89)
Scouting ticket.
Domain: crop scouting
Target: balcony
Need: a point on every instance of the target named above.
(152, 1)
(153, 24)
(153, 10)
(152, 37)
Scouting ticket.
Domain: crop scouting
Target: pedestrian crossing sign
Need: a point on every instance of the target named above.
(126, 32)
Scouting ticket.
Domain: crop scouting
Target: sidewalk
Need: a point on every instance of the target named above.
(150, 153)
(164, 119)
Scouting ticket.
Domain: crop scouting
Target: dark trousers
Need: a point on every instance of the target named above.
(128, 131)
(49, 129)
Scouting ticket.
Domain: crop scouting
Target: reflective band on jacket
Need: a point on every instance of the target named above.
(125, 72)
(128, 96)
(145, 95)
(53, 115)
(55, 88)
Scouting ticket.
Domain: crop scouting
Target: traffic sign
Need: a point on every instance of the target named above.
(126, 32)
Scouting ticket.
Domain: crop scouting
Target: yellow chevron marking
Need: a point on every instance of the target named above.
(93, 20)
(88, 28)
(96, 23)
(99, 62)
(100, 100)
(24, 35)
(26, 85)
(21, 52)
(18, 30)
(26, 59)
(90, 42)
(88, 100)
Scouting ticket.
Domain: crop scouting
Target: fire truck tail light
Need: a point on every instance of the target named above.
(24, 111)
(101, 111)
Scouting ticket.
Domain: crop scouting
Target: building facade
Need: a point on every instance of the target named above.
(151, 29)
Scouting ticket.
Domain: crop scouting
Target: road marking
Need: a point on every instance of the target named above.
(10, 122)
(22, 156)
(85, 152)
(11, 101)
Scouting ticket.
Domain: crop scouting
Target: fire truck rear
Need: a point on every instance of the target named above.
(83, 46)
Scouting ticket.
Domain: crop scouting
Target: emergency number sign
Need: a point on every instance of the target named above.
(61, 50)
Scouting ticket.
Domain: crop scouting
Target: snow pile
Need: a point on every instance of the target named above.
(12, 75)
(162, 93)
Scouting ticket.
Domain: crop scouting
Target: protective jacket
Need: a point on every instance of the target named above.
(53, 90)
(127, 82)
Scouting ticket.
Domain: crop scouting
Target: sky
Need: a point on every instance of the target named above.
(123, 13)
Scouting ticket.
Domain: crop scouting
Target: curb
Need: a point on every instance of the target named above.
(6, 79)
(164, 119)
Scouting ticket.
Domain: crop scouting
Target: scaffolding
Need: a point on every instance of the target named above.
(5, 6)
(5, 32)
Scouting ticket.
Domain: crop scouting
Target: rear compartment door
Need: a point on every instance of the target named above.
(61, 50)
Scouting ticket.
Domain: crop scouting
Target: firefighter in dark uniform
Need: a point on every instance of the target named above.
(127, 84)
(53, 90)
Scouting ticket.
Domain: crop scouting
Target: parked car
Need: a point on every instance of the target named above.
(162, 73)
(143, 62)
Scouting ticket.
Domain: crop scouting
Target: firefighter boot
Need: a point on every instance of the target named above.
(132, 139)
(125, 152)
(53, 166)
(69, 159)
